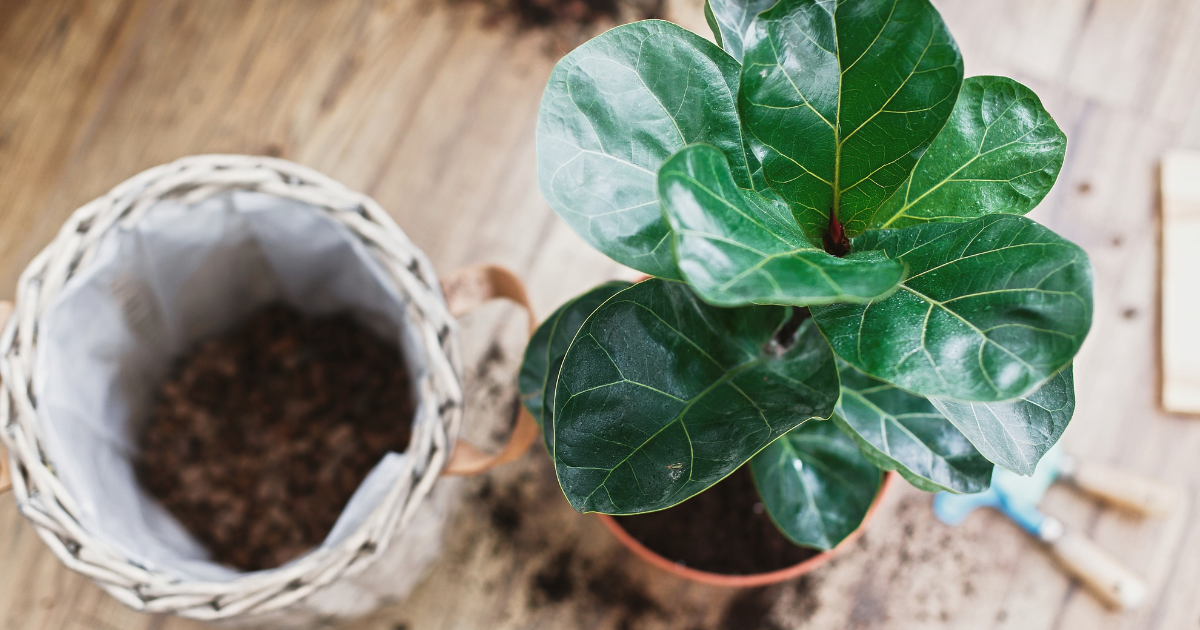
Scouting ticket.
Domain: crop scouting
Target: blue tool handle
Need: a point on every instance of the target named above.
(1027, 516)
(953, 509)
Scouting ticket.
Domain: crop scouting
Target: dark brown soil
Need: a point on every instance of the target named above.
(751, 609)
(719, 530)
(571, 13)
(259, 438)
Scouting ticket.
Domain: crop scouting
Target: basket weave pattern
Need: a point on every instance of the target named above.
(42, 498)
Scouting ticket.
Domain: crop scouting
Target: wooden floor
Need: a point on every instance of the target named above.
(419, 104)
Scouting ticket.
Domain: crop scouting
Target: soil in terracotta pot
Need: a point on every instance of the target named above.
(721, 530)
(258, 438)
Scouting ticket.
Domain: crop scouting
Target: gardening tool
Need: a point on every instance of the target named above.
(1118, 488)
(1017, 497)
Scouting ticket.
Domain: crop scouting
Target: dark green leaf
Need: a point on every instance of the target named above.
(616, 108)
(991, 309)
(1016, 434)
(736, 247)
(730, 21)
(900, 431)
(544, 354)
(815, 483)
(712, 25)
(661, 396)
(999, 153)
(840, 101)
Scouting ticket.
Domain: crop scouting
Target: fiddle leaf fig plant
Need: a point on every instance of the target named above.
(842, 281)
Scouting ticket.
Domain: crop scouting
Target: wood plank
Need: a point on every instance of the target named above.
(1123, 49)
(1030, 39)
(1180, 277)
(58, 61)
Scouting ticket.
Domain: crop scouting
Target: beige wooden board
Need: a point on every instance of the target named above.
(419, 104)
(1181, 281)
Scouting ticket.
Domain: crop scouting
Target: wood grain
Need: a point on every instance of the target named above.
(1180, 277)
(420, 104)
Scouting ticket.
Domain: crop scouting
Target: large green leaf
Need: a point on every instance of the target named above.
(731, 20)
(548, 346)
(991, 309)
(616, 108)
(1015, 434)
(901, 431)
(815, 484)
(999, 153)
(736, 247)
(840, 99)
(661, 395)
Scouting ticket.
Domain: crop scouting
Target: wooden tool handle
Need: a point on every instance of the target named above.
(465, 290)
(1117, 586)
(1147, 497)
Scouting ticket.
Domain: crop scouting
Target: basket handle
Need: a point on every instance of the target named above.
(6, 308)
(465, 290)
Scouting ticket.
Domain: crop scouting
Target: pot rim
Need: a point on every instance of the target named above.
(754, 579)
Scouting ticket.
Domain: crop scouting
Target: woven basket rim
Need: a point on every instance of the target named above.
(53, 512)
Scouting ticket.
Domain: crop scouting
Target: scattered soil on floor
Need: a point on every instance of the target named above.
(612, 589)
(721, 530)
(554, 583)
(751, 609)
(570, 13)
(259, 438)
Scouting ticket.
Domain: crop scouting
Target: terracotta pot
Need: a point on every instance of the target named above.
(744, 581)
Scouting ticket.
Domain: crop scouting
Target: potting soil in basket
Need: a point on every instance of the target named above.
(259, 437)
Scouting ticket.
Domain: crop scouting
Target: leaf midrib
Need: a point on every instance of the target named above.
(978, 331)
(816, 463)
(678, 418)
(839, 139)
(894, 420)
(979, 153)
(753, 220)
(728, 374)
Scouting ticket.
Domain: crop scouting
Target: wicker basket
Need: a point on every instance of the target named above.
(327, 582)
